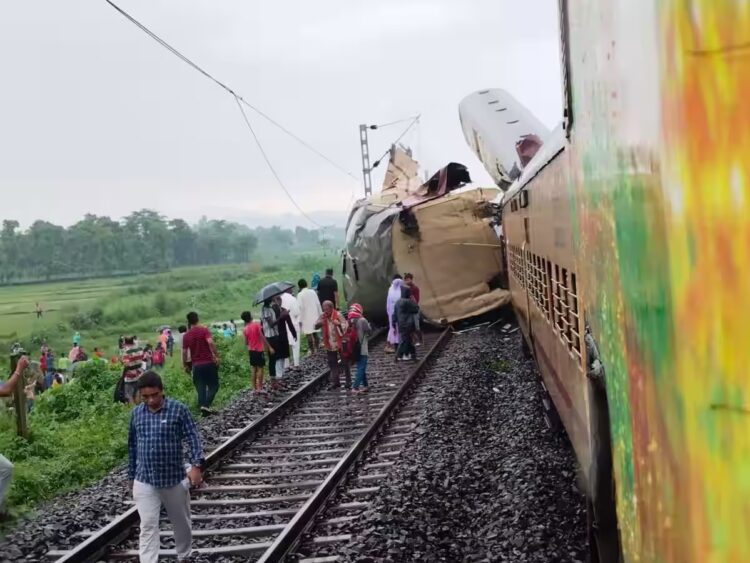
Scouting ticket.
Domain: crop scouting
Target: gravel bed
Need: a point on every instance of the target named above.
(55, 524)
(482, 479)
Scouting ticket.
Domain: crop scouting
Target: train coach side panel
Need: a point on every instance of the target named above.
(660, 138)
(555, 300)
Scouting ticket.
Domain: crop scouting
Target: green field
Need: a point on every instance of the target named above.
(77, 433)
(103, 309)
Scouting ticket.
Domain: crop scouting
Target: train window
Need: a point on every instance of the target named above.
(566, 309)
(520, 268)
(343, 264)
(541, 291)
(547, 265)
(565, 66)
(557, 306)
(526, 230)
(574, 319)
(356, 270)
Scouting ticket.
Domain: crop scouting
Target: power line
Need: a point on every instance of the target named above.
(270, 166)
(219, 83)
(392, 123)
(414, 121)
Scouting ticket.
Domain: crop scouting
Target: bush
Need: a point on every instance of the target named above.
(127, 314)
(165, 304)
(78, 434)
(87, 319)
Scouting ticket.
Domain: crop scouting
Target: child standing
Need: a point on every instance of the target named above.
(361, 351)
(256, 342)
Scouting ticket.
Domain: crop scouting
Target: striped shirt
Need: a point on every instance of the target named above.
(132, 363)
(267, 318)
(155, 444)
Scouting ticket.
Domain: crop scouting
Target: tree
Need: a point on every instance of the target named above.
(144, 241)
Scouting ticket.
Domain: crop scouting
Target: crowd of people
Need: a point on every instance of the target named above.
(159, 426)
(54, 371)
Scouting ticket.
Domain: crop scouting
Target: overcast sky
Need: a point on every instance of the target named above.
(96, 117)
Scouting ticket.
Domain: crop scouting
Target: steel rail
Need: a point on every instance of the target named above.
(96, 545)
(119, 529)
(288, 539)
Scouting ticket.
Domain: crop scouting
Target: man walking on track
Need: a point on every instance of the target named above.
(6, 467)
(310, 311)
(328, 289)
(158, 427)
(290, 303)
(361, 354)
(199, 357)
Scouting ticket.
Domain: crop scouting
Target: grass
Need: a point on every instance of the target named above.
(103, 309)
(77, 432)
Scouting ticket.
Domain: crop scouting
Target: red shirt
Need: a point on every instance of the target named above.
(414, 293)
(196, 340)
(253, 338)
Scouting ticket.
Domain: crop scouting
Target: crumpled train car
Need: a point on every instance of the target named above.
(441, 231)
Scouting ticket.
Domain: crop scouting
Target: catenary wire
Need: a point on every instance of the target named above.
(404, 120)
(221, 84)
(414, 121)
(270, 166)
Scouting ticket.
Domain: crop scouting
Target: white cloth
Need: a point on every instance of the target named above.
(280, 365)
(6, 474)
(290, 303)
(310, 309)
(148, 501)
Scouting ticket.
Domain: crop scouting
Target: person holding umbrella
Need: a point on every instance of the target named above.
(275, 322)
(287, 331)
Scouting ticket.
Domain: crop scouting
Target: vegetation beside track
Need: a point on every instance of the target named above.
(77, 432)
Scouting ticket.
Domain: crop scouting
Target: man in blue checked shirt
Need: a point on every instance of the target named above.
(158, 427)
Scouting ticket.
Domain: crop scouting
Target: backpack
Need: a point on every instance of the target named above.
(350, 345)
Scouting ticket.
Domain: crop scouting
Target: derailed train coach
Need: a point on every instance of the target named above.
(442, 231)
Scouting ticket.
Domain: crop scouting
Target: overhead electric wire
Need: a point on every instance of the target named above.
(240, 100)
(393, 122)
(218, 82)
(270, 166)
(414, 121)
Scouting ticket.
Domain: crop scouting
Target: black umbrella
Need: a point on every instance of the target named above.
(272, 290)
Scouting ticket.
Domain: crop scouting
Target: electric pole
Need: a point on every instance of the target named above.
(365, 148)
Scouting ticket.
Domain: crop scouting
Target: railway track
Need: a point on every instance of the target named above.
(267, 482)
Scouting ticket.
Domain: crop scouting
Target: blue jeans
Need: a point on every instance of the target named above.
(360, 379)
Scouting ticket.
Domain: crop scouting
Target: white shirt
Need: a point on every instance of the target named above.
(289, 302)
(310, 310)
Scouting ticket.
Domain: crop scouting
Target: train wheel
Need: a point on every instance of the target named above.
(604, 537)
